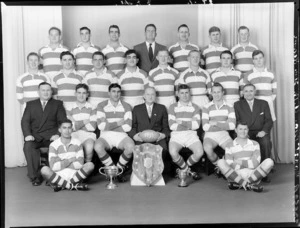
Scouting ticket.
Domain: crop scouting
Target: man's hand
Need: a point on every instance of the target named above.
(54, 137)
(29, 138)
(261, 134)
(137, 138)
(86, 121)
(161, 136)
(120, 122)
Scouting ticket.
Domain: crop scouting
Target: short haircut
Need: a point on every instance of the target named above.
(257, 52)
(85, 28)
(217, 84)
(241, 123)
(150, 25)
(243, 27)
(214, 29)
(82, 85)
(114, 26)
(249, 85)
(194, 51)
(98, 53)
(114, 85)
(182, 26)
(64, 121)
(33, 54)
(54, 28)
(44, 83)
(66, 53)
(226, 52)
(163, 50)
(183, 86)
(129, 52)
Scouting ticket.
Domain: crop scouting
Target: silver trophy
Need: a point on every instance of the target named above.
(111, 172)
(182, 174)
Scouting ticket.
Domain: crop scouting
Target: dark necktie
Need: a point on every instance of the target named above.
(150, 52)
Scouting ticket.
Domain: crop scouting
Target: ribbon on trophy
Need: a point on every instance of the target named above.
(147, 163)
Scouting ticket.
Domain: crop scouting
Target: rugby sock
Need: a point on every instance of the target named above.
(56, 179)
(123, 160)
(181, 163)
(106, 160)
(191, 160)
(258, 174)
(233, 176)
(78, 176)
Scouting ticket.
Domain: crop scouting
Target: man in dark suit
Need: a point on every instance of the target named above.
(256, 113)
(40, 127)
(148, 50)
(151, 115)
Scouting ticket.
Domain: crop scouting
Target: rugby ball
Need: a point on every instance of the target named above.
(149, 136)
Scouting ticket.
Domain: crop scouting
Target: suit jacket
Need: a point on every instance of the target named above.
(259, 119)
(144, 62)
(42, 124)
(158, 121)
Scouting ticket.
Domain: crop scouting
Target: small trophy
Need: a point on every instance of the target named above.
(182, 174)
(111, 172)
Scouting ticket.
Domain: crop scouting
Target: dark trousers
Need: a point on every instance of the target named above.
(264, 143)
(32, 155)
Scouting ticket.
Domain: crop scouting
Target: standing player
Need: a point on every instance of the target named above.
(114, 51)
(211, 53)
(181, 49)
(84, 51)
(114, 119)
(84, 121)
(99, 79)
(64, 83)
(229, 78)
(50, 54)
(263, 80)
(197, 79)
(27, 84)
(242, 52)
(163, 78)
(132, 80)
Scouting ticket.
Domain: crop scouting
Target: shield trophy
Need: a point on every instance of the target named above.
(111, 172)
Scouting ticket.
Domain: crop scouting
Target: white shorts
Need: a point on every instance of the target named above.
(66, 173)
(220, 137)
(166, 101)
(113, 138)
(200, 100)
(83, 135)
(184, 138)
(245, 173)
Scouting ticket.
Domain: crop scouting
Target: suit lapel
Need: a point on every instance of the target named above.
(153, 116)
(45, 112)
(155, 52)
(145, 113)
(146, 51)
(255, 111)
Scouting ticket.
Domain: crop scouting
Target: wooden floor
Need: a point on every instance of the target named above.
(205, 201)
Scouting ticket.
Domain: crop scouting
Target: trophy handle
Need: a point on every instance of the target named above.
(121, 171)
(101, 170)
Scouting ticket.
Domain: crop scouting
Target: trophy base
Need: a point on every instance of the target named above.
(183, 185)
(135, 181)
(111, 186)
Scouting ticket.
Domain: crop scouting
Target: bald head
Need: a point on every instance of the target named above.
(150, 95)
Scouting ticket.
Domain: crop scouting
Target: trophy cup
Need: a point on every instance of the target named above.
(182, 174)
(111, 172)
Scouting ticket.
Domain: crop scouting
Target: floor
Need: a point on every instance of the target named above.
(205, 201)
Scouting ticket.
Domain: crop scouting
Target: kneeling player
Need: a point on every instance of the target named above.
(242, 166)
(66, 159)
(184, 120)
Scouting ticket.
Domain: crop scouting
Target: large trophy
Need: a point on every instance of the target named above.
(111, 172)
(182, 174)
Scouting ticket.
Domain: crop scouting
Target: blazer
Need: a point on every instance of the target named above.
(144, 62)
(42, 124)
(259, 119)
(158, 121)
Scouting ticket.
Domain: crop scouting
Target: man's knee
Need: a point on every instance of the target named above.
(89, 166)
(46, 172)
(99, 147)
(267, 164)
(208, 147)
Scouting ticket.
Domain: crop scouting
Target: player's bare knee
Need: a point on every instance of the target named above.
(267, 164)
(89, 166)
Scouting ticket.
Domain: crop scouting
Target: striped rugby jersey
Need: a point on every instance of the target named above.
(98, 85)
(224, 116)
(84, 58)
(27, 86)
(115, 58)
(180, 55)
(249, 154)
(242, 56)
(78, 114)
(264, 82)
(108, 116)
(211, 56)
(188, 114)
(60, 155)
(51, 59)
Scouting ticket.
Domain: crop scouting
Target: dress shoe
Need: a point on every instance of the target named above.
(121, 178)
(255, 187)
(79, 187)
(233, 186)
(55, 187)
(195, 175)
(47, 183)
(266, 179)
(37, 181)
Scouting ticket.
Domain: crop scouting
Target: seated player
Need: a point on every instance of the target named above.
(184, 120)
(84, 119)
(66, 159)
(114, 119)
(241, 165)
(163, 78)
(133, 80)
(217, 118)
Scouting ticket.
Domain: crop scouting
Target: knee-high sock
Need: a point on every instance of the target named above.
(78, 176)
(181, 163)
(123, 160)
(106, 160)
(191, 160)
(233, 176)
(258, 174)
(56, 179)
